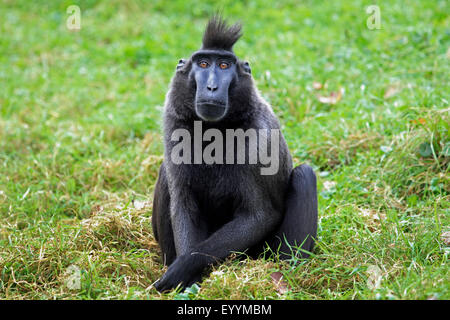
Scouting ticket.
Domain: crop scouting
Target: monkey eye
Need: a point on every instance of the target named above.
(203, 64)
(224, 65)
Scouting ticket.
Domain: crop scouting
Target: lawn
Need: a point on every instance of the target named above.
(81, 144)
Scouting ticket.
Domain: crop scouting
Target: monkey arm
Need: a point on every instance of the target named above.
(188, 228)
(237, 235)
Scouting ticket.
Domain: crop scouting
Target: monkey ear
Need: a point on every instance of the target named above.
(246, 67)
(181, 63)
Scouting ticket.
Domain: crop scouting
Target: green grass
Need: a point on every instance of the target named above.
(80, 144)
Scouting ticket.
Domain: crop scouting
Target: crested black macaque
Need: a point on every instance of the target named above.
(202, 211)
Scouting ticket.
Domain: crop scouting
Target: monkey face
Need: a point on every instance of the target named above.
(214, 72)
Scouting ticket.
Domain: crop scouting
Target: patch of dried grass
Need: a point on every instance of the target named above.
(114, 245)
(335, 151)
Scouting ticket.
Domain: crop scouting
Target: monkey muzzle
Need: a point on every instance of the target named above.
(211, 110)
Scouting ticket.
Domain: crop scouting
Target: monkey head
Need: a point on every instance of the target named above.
(214, 72)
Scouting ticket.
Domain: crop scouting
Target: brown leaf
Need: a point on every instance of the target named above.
(391, 91)
(317, 85)
(280, 285)
(333, 98)
(421, 121)
(445, 237)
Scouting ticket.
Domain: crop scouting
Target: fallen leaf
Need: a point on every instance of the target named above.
(445, 237)
(280, 285)
(391, 91)
(421, 121)
(317, 85)
(333, 98)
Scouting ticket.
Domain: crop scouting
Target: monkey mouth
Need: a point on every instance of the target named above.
(212, 102)
(211, 110)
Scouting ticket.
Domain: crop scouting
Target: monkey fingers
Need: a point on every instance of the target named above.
(183, 272)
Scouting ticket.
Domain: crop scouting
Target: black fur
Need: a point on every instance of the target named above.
(218, 35)
(203, 212)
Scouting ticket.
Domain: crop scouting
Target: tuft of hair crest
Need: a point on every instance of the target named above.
(220, 35)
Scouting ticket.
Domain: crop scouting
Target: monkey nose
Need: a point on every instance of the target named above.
(212, 87)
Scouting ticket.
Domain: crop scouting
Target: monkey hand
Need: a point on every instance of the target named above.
(184, 271)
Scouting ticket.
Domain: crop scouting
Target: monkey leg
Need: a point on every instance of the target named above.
(298, 228)
(162, 226)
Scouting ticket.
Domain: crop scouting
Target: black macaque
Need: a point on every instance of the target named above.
(202, 210)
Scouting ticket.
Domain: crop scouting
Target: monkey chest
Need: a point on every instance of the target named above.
(216, 188)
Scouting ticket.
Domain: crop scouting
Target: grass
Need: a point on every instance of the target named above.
(80, 144)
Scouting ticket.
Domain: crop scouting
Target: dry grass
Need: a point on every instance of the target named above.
(80, 145)
(115, 246)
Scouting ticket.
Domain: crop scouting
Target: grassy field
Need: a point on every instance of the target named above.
(80, 144)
